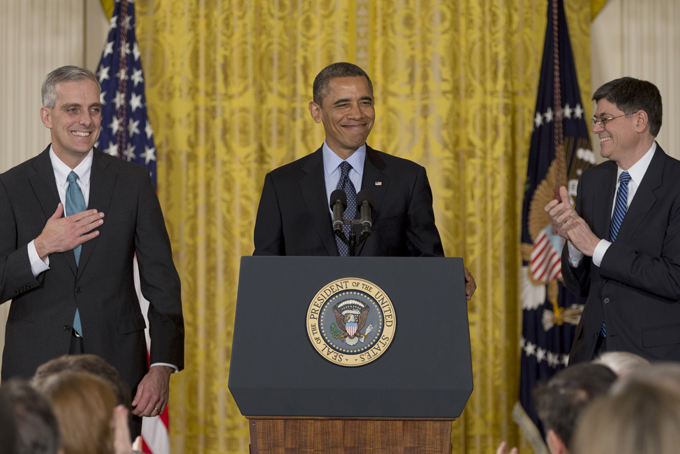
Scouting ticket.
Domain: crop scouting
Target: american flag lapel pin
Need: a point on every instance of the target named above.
(378, 183)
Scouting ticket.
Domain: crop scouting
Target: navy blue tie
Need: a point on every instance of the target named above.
(346, 185)
(620, 209)
(75, 203)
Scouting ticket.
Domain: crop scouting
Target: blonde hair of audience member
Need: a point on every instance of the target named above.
(664, 375)
(622, 363)
(83, 405)
(642, 419)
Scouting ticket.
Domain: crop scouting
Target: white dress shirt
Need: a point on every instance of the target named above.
(637, 173)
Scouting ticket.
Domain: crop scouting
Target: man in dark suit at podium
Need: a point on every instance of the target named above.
(294, 216)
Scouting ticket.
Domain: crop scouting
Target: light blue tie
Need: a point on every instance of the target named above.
(346, 185)
(75, 203)
(617, 219)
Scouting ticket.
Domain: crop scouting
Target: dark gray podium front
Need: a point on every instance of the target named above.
(406, 397)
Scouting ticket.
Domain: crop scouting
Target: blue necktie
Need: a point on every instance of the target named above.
(75, 203)
(346, 185)
(617, 219)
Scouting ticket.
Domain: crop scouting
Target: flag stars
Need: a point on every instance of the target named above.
(578, 111)
(135, 102)
(104, 73)
(137, 77)
(102, 98)
(122, 74)
(148, 130)
(130, 152)
(112, 149)
(114, 125)
(548, 115)
(109, 49)
(553, 359)
(119, 99)
(126, 23)
(538, 121)
(567, 111)
(136, 52)
(148, 155)
(530, 349)
(125, 50)
(540, 354)
(113, 21)
(133, 127)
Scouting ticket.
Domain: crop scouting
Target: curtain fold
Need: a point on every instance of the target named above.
(228, 84)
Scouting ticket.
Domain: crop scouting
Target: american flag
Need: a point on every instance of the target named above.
(560, 150)
(126, 133)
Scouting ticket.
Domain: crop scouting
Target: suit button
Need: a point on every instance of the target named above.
(67, 327)
(78, 289)
(606, 300)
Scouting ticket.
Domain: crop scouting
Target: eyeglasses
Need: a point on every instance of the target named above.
(602, 121)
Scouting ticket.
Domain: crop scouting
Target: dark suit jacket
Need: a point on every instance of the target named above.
(102, 287)
(637, 286)
(294, 217)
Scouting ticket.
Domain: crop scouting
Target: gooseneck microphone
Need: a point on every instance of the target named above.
(365, 206)
(338, 205)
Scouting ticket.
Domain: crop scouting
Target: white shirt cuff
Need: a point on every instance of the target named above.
(598, 253)
(575, 256)
(37, 265)
(166, 364)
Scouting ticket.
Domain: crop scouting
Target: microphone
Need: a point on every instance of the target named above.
(338, 205)
(365, 205)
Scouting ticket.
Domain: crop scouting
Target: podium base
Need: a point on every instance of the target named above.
(344, 436)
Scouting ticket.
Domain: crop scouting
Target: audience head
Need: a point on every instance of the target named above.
(8, 429)
(560, 402)
(641, 419)
(663, 375)
(87, 363)
(83, 404)
(622, 363)
(37, 431)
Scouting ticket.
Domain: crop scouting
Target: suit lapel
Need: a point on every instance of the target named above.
(102, 184)
(373, 173)
(313, 188)
(644, 198)
(45, 187)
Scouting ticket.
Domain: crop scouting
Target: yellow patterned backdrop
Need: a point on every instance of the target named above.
(228, 83)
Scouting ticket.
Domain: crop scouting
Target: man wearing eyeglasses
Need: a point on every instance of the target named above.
(623, 236)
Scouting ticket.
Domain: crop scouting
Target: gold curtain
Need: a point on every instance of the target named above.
(228, 83)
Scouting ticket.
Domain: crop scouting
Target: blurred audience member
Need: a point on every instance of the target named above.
(665, 375)
(84, 406)
(37, 431)
(622, 363)
(641, 419)
(93, 364)
(560, 402)
(8, 429)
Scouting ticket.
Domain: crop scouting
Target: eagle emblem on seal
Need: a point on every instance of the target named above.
(351, 317)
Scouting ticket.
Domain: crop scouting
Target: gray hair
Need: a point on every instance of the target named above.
(335, 71)
(63, 74)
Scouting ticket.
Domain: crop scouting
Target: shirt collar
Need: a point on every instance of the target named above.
(61, 170)
(331, 161)
(638, 170)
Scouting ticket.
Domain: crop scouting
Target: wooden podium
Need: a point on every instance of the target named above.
(404, 401)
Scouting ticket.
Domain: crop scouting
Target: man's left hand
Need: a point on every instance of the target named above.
(470, 285)
(152, 392)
